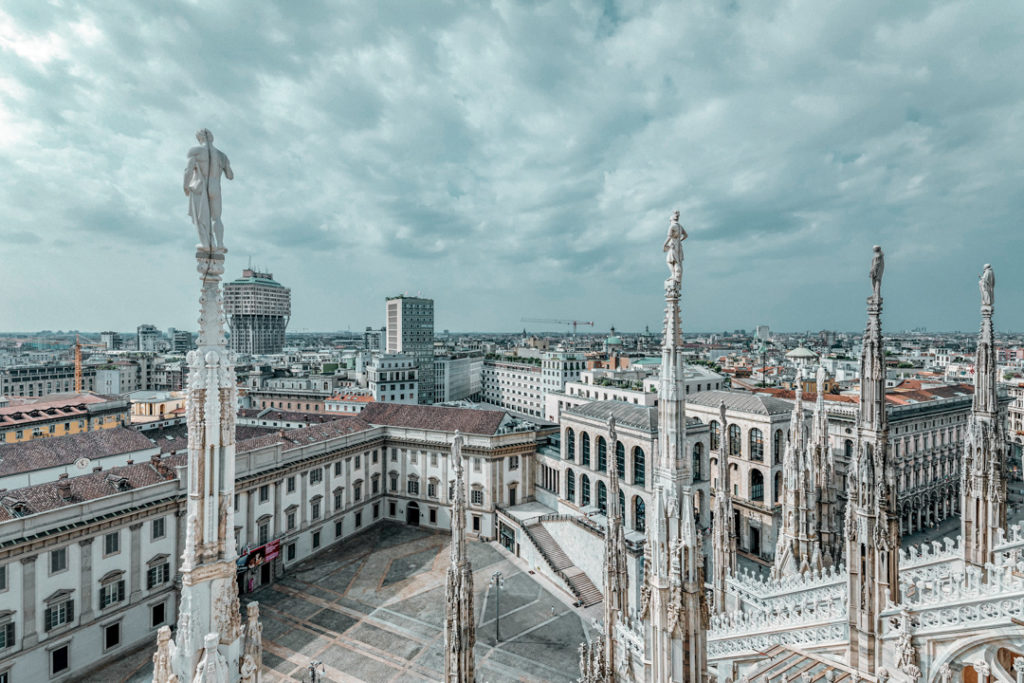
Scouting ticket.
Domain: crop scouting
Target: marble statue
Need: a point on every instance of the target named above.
(987, 284)
(206, 163)
(674, 251)
(877, 267)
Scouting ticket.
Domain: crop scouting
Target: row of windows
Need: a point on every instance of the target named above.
(639, 458)
(639, 507)
(755, 442)
(111, 546)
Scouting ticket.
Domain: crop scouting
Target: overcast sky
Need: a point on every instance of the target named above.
(517, 159)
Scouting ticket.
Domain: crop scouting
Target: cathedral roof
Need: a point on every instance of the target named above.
(757, 404)
(625, 414)
(781, 662)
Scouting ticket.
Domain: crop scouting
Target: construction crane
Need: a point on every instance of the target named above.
(78, 361)
(553, 321)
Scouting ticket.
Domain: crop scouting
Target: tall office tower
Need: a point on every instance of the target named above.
(410, 330)
(257, 308)
(112, 340)
(148, 338)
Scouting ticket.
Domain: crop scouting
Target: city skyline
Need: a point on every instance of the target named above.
(375, 153)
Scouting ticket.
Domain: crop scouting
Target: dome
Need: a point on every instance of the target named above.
(800, 353)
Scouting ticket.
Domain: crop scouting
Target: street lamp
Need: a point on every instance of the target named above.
(316, 667)
(497, 581)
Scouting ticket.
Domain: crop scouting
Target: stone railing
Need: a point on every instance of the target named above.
(1009, 547)
(797, 589)
(588, 524)
(738, 632)
(557, 572)
(930, 553)
(972, 597)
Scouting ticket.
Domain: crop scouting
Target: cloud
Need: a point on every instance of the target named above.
(519, 159)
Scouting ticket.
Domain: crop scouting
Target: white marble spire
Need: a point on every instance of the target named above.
(983, 474)
(208, 641)
(872, 524)
(459, 625)
(825, 484)
(674, 604)
(723, 540)
(616, 576)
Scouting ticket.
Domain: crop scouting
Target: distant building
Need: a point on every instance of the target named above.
(60, 416)
(181, 341)
(458, 376)
(373, 339)
(394, 378)
(410, 330)
(112, 340)
(348, 403)
(43, 380)
(258, 309)
(763, 332)
(147, 338)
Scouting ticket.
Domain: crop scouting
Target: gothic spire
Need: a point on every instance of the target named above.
(983, 477)
(872, 524)
(723, 541)
(459, 625)
(616, 577)
(824, 483)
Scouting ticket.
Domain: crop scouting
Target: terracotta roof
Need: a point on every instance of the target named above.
(175, 438)
(304, 436)
(31, 500)
(358, 398)
(69, 406)
(436, 418)
(57, 451)
(287, 416)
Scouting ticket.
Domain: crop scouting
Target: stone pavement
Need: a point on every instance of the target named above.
(372, 609)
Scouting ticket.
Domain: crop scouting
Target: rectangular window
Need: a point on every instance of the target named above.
(59, 613)
(391, 509)
(376, 510)
(476, 522)
(58, 560)
(376, 484)
(513, 462)
(431, 489)
(374, 456)
(316, 475)
(156, 615)
(476, 496)
(7, 635)
(265, 493)
(359, 461)
(111, 593)
(158, 528)
(157, 575)
(433, 516)
(315, 513)
(291, 484)
(359, 519)
(337, 501)
(412, 487)
(337, 529)
(60, 660)
(111, 636)
(112, 543)
(3, 578)
(316, 539)
(290, 551)
(337, 469)
(291, 521)
(264, 533)
(478, 464)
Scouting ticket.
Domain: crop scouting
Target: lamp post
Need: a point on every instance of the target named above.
(497, 581)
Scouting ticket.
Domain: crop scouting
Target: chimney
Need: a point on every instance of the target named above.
(64, 487)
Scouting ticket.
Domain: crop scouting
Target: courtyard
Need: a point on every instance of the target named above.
(372, 608)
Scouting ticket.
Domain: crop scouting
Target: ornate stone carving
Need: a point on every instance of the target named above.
(212, 668)
(205, 165)
(163, 671)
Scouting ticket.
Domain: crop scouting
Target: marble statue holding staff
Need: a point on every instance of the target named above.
(202, 187)
(674, 251)
(987, 284)
(877, 267)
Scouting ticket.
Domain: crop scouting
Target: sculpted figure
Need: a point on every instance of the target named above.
(205, 165)
(674, 249)
(987, 285)
(877, 267)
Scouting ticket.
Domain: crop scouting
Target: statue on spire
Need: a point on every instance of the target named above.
(987, 285)
(206, 163)
(877, 267)
(674, 254)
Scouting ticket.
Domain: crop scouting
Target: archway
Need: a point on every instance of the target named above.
(412, 514)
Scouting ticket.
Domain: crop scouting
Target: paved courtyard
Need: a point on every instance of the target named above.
(372, 609)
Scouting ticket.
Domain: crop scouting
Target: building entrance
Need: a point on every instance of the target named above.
(412, 514)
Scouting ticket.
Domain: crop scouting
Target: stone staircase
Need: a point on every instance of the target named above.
(582, 587)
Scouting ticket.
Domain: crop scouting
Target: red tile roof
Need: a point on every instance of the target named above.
(437, 418)
(57, 451)
(304, 436)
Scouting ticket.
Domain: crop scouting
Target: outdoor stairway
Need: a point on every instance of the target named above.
(584, 589)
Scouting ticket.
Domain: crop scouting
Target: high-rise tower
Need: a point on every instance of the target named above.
(674, 605)
(872, 524)
(983, 478)
(410, 330)
(258, 309)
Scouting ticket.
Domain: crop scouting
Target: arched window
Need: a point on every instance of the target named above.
(698, 457)
(585, 438)
(570, 444)
(570, 485)
(639, 514)
(716, 434)
(756, 444)
(602, 454)
(622, 504)
(734, 439)
(602, 497)
(584, 490)
(777, 447)
(778, 488)
(620, 460)
(756, 485)
(848, 449)
(639, 463)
